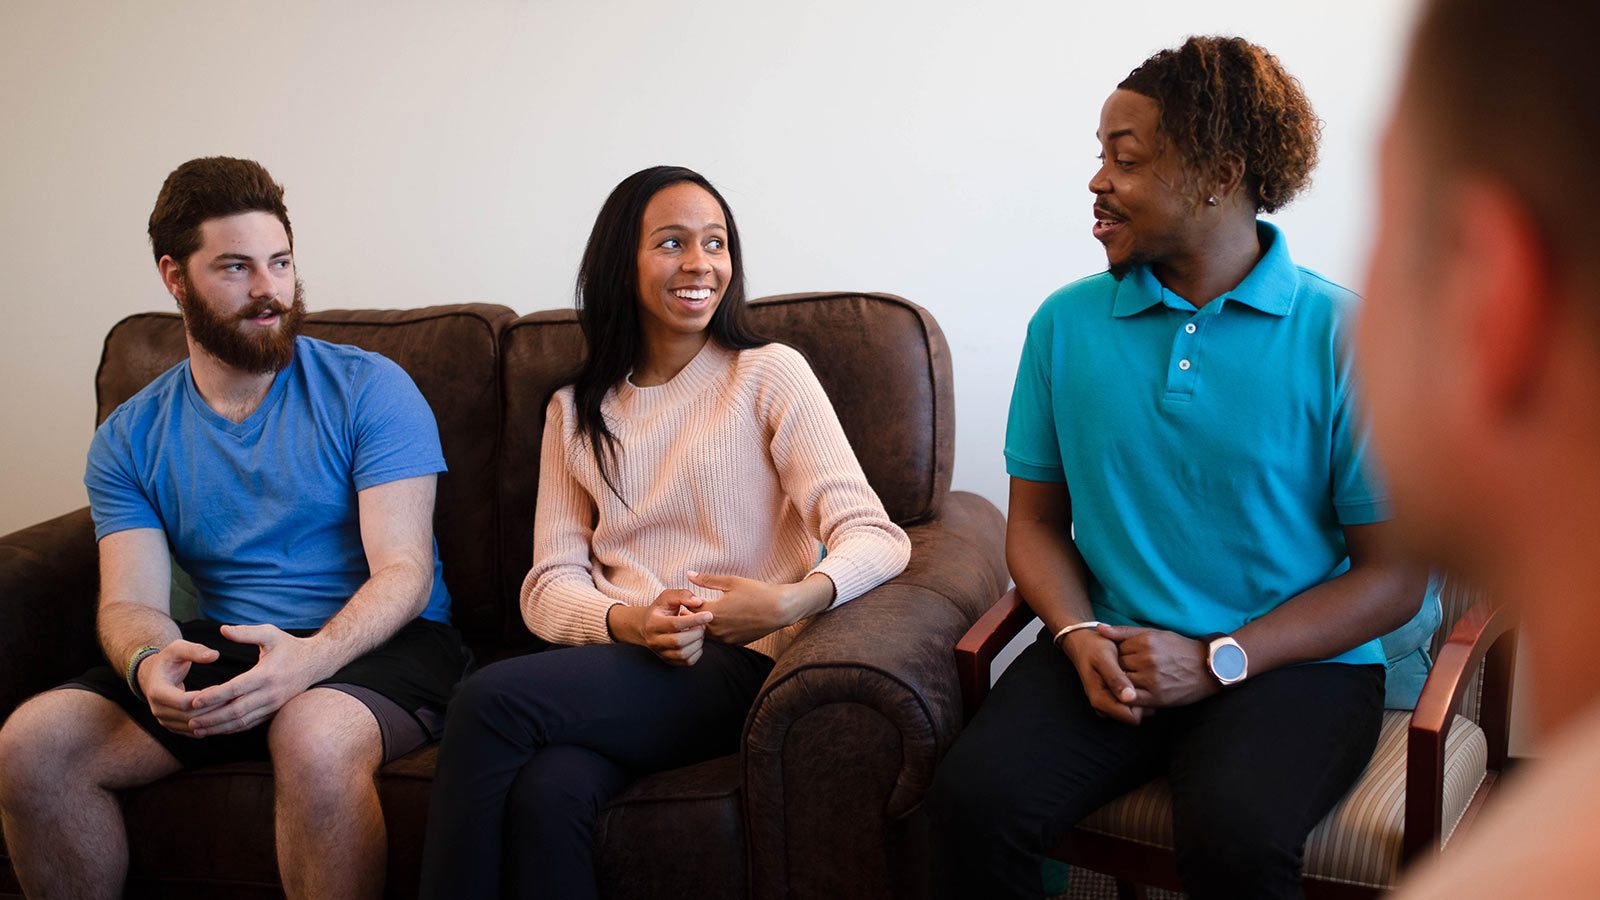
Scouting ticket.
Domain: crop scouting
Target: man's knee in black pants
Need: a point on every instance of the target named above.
(976, 799)
(1234, 844)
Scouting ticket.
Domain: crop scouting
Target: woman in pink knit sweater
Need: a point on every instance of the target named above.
(689, 476)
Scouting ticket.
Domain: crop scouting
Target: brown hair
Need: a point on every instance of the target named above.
(210, 188)
(1223, 97)
(1510, 89)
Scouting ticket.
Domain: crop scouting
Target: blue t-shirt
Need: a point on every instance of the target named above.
(1212, 455)
(263, 513)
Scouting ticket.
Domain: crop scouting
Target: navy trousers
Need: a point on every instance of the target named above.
(536, 746)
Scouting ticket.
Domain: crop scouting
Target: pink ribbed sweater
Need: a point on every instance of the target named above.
(737, 466)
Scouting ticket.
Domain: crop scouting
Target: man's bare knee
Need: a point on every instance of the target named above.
(27, 758)
(66, 738)
(326, 735)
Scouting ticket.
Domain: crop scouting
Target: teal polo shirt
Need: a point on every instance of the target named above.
(1212, 454)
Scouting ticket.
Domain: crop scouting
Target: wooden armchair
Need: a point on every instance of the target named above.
(1452, 749)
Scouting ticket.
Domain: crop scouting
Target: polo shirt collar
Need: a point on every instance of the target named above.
(1270, 287)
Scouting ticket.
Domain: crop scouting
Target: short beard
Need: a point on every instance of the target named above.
(221, 336)
(1120, 270)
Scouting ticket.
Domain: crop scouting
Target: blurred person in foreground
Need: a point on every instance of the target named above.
(1480, 348)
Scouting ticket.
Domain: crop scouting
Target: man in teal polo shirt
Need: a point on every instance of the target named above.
(1191, 514)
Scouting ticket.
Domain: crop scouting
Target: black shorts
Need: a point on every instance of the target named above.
(405, 682)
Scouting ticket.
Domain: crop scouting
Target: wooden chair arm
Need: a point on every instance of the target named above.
(976, 650)
(1486, 633)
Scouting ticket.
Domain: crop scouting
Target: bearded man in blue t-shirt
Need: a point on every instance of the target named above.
(293, 480)
(1191, 512)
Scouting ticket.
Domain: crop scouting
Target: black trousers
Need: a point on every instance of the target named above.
(1253, 770)
(537, 745)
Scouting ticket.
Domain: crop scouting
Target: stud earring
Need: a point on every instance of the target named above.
(1211, 201)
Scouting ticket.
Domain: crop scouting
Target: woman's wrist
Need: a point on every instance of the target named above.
(809, 596)
(623, 623)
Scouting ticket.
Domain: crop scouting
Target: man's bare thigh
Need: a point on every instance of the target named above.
(73, 731)
(329, 726)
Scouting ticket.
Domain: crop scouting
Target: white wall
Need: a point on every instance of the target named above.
(439, 153)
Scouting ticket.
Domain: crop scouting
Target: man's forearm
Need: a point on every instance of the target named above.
(1049, 572)
(126, 627)
(135, 584)
(393, 596)
(1364, 603)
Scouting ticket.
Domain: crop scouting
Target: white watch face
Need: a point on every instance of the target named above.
(1227, 662)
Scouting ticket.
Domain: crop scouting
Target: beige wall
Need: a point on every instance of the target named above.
(441, 152)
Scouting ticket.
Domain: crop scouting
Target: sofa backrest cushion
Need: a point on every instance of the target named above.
(452, 353)
(882, 360)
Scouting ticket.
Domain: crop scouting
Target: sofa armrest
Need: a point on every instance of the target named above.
(49, 581)
(1485, 633)
(843, 739)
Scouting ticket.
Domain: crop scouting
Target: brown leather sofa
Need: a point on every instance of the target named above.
(839, 746)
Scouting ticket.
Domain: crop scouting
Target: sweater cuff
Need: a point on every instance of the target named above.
(592, 619)
(568, 614)
(849, 580)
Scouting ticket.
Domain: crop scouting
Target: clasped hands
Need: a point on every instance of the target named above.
(676, 625)
(287, 666)
(1128, 673)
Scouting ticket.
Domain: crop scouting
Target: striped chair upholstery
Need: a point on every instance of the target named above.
(1359, 842)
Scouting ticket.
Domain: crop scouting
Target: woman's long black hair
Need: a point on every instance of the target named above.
(607, 299)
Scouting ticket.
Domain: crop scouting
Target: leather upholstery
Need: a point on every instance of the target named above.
(676, 834)
(49, 579)
(855, 716)
(841, 743)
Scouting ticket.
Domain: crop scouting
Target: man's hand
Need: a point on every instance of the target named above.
(287, 667)
(160, 678)
(1109, 689)
(749, 609)
(673, 627)
(1166, 669)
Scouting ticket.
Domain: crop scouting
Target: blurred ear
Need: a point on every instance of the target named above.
(1498, 281)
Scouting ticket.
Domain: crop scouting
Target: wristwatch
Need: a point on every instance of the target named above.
(1228, 662)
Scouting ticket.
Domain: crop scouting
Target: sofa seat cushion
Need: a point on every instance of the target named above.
(172, 852)
(693, 813)
(1359, 842)
(229, 848)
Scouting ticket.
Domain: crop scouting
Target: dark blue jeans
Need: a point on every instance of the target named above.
(536, 746)
(1253, 770)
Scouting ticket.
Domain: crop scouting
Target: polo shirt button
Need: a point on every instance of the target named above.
(1183, 364)
(1189, 328)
